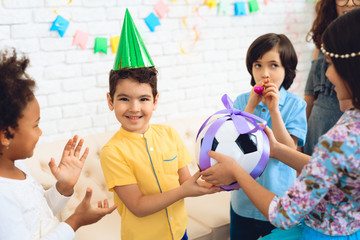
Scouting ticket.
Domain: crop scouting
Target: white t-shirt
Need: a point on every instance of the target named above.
(28, 212)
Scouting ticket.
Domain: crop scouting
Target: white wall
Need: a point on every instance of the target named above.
(72, 83)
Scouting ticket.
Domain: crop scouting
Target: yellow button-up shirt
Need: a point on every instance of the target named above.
(151, 161)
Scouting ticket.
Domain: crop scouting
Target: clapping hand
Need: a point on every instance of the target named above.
(68, 171)
(85, 214)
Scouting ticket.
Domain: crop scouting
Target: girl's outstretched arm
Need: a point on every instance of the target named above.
(226, 171)
(285, 154)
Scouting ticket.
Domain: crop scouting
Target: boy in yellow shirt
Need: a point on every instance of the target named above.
(144, 164)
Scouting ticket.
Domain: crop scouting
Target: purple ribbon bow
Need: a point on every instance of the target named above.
(240, 119)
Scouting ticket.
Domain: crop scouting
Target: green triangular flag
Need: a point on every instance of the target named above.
(131, 51)
(253, 6)
(100, 45)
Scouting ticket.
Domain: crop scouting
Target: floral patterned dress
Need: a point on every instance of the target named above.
(326, 195)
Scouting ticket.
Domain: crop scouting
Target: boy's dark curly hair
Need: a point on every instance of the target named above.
(141, 75)
(16, 89)
(325, 14)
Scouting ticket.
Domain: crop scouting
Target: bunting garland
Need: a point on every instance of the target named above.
(241, 8)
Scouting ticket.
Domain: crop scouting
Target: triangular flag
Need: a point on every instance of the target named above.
(210, 3)
(223, 6)
(240, 9)
(80, 38)
(100, 45)
(60, 24)
(161, 9)
(266, 2)
(253, 6)
(114, 43)
(152, 21)
(131, 52)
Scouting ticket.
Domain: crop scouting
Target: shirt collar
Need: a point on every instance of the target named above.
(135, 135)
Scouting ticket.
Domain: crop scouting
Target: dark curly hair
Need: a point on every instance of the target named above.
(16, 89)
(343, 37)
(287, 53)
(325, 14)
(142, 75)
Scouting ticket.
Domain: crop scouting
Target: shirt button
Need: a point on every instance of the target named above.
(171, 218)
(151, 149)
(142, 135)
(264, 110)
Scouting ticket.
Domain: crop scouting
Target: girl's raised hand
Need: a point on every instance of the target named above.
(68, 171)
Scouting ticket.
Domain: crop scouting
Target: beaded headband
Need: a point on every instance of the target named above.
(335, 55)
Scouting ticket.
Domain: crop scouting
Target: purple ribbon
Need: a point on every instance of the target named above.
(239, 118)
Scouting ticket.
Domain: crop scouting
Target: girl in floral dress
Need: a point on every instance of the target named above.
(324, 201)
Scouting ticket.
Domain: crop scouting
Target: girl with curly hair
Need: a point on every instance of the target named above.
(28, 211)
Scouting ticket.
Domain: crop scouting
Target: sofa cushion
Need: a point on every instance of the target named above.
(198, 231)
(212, 211)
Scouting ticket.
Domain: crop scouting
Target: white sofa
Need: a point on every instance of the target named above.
(208, 216)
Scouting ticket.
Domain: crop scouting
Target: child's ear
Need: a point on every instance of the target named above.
(156, 101)
(109, 101)
(4, 140)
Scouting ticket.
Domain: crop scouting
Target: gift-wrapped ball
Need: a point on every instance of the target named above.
(247, 144)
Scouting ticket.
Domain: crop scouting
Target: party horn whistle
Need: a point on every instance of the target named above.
(259, 90)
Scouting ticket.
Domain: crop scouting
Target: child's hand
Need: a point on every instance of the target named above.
(254, 99)
(271, 96)
(192, 188)
(85, 214)
(223, 173)
(272, 141)
(202, 183)
(70, 166)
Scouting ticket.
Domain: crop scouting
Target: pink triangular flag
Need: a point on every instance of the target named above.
(161, 9)
(81, 39)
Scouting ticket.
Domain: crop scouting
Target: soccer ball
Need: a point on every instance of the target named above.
(249, 148)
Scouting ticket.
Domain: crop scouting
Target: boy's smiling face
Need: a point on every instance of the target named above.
(134, 104)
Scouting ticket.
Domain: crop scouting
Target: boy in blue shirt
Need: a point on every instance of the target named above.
(271, 60)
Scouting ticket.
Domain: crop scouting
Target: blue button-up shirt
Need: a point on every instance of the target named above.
(277, 177)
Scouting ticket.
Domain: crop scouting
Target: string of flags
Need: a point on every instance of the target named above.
(81, 38)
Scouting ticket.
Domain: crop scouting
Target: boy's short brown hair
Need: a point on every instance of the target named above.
(287, 53)
(142, 75)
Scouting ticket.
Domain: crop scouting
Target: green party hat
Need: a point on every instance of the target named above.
(131, 51)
